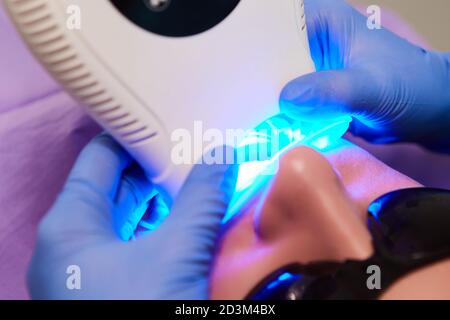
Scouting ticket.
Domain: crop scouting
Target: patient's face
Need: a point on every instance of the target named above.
(314, 209)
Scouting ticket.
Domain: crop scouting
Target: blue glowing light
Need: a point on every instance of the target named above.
(249, 171)
(322, 143)
(258, 155)
(278, 135)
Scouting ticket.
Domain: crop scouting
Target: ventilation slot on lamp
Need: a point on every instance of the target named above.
(302, 16)
(29, 7)
(49, 43)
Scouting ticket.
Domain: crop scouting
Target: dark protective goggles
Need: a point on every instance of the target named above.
(410, 229)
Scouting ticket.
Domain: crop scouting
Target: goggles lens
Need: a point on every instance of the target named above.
(412, 223)
(409, 229)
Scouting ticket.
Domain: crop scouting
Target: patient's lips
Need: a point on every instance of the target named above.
(308, 205)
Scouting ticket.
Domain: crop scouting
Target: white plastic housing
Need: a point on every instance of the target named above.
(141, 86)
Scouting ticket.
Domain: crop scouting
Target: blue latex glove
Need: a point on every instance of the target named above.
(172, 262)
(395, 90)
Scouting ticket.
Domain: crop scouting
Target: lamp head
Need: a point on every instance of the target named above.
(148, 70)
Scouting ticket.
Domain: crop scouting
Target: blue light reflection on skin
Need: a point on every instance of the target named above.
(253, 175)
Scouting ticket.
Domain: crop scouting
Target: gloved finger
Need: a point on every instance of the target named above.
(373, 135)
(86, 202)
(202, 203)
(99, 167)
(321, 16)
(317, 28)
(331, 94)
(131, 203)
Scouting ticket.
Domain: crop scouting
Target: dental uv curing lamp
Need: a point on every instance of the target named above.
(145, 69)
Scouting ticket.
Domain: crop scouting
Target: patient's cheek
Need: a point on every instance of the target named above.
(365, 178)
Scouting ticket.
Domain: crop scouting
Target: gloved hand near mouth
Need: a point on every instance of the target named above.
(395, 90)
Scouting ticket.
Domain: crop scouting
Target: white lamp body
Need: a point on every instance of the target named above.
(142, 87)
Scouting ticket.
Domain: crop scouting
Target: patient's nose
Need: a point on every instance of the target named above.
(307, 212)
